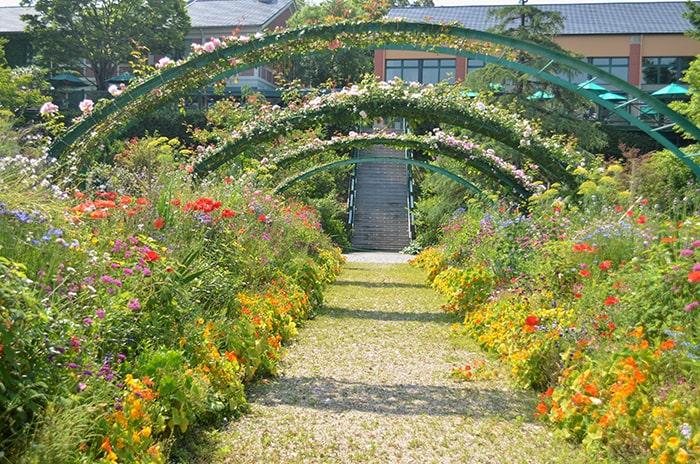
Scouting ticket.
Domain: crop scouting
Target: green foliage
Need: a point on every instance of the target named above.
(105, 33)
(20, 88)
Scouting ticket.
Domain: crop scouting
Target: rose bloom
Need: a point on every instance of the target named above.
(48, 108)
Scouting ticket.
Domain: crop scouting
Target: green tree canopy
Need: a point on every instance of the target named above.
(343, 66)
(561, 111)
(105, 32)
(20, 88)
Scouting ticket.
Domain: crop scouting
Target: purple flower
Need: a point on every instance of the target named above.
(128, 271)
(134, 304)
(686, 252)
(691, 306)
(82, 386)
(73, 365)
(100, 313)
(695, 244)
(696, 267)
(87, 321)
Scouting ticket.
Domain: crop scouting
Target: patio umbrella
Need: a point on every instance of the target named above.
(122, 78)
(609, 96)
(671, 90)
(592, 86)
(66, 80)
(540, 95)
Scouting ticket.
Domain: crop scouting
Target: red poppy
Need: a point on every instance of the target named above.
(645, 201)
(585, 273)
(141, 201)
(125, 200)
(641, 219)
(175, 202)
(262, 218)
(79, 194)
(227, 213)
(611, 301)
(111, 196)
(151, 256)
(159, 223)
(618, 208)
(578, 295)
(605, 265)
(694, 277)
(532, 320)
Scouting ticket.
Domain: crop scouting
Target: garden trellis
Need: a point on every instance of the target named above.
(233, 55)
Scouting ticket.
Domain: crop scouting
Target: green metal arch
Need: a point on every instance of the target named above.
(379, 159)
(514, 187)
(208, 68)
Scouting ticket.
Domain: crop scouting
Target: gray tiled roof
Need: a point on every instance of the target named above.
(9, 18)
(221, 13)
(579, 19)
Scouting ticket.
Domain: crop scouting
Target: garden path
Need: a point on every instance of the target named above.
(368, 381)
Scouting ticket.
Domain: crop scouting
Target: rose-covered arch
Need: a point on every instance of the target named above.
(372, 99)
(483, 161)
(282, 187)
(223, 57)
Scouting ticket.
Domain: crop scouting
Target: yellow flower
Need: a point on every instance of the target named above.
(682, 456)
(673, 443)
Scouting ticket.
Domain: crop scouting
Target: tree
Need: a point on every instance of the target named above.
(20, 88)
(343, 66)
(105, 32)
(565, 111)
(693, 15)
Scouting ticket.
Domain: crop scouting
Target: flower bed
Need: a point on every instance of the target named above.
(130, 315)
(598, 312)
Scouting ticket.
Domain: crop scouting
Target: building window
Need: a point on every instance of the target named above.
(618, 67)
(423, 71)
(664, 69)
(473, 64)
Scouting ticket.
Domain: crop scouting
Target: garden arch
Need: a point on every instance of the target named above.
(518, 183)
(370, 100)
(379, 159)
(219, 60)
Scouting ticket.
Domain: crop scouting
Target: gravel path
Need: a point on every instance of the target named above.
(368, 382)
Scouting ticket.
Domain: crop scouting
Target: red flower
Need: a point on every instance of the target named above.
(641, 219)
(578, 295)
(585, 273)
(111, 196)
(611, 301)
(645, 201)
(605, 265)
(175, 202)
(159, 223)
(227, 213)
(532, 321)
(694, 277)
(335, 43)
(151, 256)
(125, 200)
(630, 213)
(262, 218)
(618, 208)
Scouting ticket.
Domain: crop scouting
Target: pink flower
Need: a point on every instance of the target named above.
(134, 304)
(86, 106)
(691, 306)
(114, 90)
(209, 47)
(100, 313)
(163, 62)
(686, 252)
(48, 108)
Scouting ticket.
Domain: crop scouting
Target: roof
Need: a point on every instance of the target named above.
(9, 18)
(203, 13)
(579, 19)
(226, 13)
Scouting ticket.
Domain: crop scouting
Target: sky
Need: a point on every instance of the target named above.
(471, 2)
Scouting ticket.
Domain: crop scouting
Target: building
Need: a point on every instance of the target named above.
(642, 43)
(219, 18)
(209, 18)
